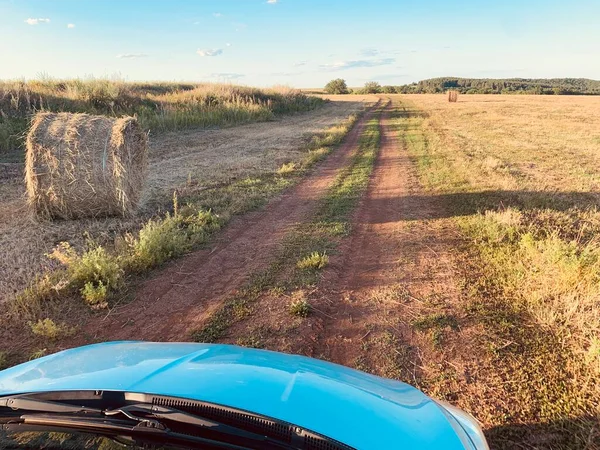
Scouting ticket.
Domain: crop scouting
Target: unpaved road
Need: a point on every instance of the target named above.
(181, 297)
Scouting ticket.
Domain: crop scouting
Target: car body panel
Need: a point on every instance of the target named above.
(358, 409)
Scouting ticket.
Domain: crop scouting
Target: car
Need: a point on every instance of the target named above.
(218, 396)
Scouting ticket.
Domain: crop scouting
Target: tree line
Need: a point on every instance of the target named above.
(541, 86)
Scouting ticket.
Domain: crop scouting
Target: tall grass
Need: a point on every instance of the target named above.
(160, 107)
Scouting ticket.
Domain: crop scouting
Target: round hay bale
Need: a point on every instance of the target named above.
(79, 165)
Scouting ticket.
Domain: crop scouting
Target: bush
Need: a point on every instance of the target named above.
(49, 329)
(372, 87)
(388, 90)
(337, 86)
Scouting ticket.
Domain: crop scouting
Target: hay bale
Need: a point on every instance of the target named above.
(79, 165)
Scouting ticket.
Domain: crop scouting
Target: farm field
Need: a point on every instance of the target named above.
(452, 246)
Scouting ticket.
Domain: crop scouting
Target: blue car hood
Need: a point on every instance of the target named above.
(360, 410)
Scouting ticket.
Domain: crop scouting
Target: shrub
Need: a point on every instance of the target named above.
(388, 90)
(95, 295)
(372, 87)
(314, 261)
(161, 240)
(337, 86)
(49, 329)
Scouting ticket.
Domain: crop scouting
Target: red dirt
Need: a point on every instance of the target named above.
(396, 266)
(180, 297)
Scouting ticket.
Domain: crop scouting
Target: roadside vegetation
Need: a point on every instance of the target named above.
(159, 107)
(528, 213)
(99, 275)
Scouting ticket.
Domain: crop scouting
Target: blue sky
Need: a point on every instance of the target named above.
(302, 43)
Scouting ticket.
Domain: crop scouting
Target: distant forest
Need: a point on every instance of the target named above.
(549, 86)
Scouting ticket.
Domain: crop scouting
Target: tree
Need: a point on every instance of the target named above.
(372, 87)
(388, 90)
(337, 86)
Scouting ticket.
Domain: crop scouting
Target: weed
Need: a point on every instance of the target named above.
(47, 328)
(314, 261)
(95, 295)
(38, 354)
(300, 308)
(287, 168)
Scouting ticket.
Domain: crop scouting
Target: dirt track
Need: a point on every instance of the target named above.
(182, 296)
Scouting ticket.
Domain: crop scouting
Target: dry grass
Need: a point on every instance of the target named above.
(159, 107)
(84, 166)
(520, 174)
(211, 169)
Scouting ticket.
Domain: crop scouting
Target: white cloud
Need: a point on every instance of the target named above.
(132, 55)
(272, 2)
(344, 65)
(71, 25)
(300, 63)
(31, 21)
(228, 45)
(213, 52)
(217, 15)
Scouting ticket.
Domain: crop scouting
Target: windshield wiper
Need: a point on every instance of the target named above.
(138, 419)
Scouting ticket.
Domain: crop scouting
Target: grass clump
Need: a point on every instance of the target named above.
(314, 261)
(163, 239)
(49, 329)
(38, 354)
(300, 308)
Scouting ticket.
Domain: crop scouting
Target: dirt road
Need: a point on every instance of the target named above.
(182, 296)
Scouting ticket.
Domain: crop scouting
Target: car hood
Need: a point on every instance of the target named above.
(361, 410)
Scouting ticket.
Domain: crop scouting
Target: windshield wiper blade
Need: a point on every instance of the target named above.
(143, 417)
(111, 427)
(195, 421)
(27, 404)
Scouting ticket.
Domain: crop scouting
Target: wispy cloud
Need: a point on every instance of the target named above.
(31, 21)
(71, 25)
(369, 52)
(228, 45)
(239, 26)
(210, 52)
(345, 65)
(227, 76)
(131, 55)
(272, 2)
(300, 63)
(217, 15)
